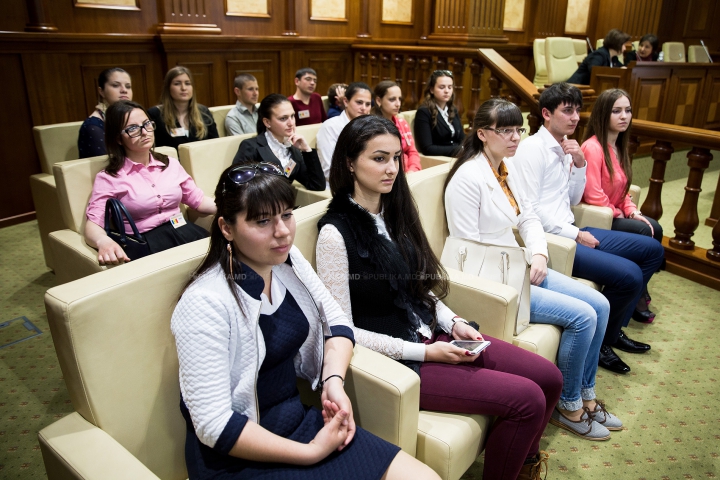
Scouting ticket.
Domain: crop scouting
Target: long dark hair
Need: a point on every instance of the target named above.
(380, 91)
(115, 121)
(265, 110)
(496, 112)
(169, 112)
(599, 125)
(429, 98)
(400, 211)
(264, 195)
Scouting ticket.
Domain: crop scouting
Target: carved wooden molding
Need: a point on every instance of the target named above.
(108, 4)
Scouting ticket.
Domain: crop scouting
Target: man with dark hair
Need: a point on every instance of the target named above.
(551, 170)
(308, 105)
(605, 56)
(243, 117)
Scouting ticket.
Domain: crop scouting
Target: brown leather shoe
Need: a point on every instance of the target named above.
(532, 471)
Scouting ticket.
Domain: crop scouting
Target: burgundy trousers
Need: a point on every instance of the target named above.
(520, 388)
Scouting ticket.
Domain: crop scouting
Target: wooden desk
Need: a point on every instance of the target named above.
(686, 94)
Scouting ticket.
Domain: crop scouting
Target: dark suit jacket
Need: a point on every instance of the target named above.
(308, 170)
(438, 140)
(598, 58)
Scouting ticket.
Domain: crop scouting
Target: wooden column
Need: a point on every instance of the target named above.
(385, 62)
(411, 97)
(652, 206)
(364, 19)
(458, 73)
(38, 20)
(476, 70)
(468, 21)
(424, 74)
(185, 17)
(686, 220)
(290, 28)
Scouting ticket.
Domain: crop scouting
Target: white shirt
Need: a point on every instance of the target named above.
(327, 138)
(444, 115)
(551, 182)
(280, 150)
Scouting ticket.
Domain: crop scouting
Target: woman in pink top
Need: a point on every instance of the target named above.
(388, 98)
(149, 184)
(609, 173)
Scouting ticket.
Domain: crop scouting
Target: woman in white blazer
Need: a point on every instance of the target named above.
(483, 203)
(254, 317)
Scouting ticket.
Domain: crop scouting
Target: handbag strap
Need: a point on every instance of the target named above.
(119, 211)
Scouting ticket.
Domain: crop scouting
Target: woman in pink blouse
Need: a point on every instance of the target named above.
(149, 184)
(388, 98)
(609, 173)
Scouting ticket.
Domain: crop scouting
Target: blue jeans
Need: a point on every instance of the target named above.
(582, 313)
(623, 263)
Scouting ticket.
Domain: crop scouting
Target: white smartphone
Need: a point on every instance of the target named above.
(472, 346)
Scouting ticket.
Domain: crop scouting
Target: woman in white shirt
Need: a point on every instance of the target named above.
(483, 203)
(374, 257)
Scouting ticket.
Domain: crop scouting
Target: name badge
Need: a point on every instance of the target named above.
(290, 167)
(179, 132)
(177, 221)
(302, 114)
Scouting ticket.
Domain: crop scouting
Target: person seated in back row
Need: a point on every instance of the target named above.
(179, 118)
(336, 99)
(388, 99)
(438, 128)
(243, 117)
(648, 50)
(308, 105)
(278, 143)
(358, 100)
(605, 56)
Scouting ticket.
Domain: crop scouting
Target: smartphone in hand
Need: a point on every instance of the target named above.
(472, 346)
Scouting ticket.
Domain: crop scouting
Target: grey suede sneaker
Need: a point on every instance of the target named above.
(585, 428)
(605, 418)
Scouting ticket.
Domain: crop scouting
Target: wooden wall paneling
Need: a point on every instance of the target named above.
(699, 19)
(609, 16)
(18, 157)
(331, 67)
(138, 76)
(649, 92)
(684, 95)
(399, 33)
(710, 118)
(71, 19)
(550, 18)
(253, 26)
(641, 17)
(204, 81)
(187, 16)
(605, 78)
(329, 28)
(264, 66)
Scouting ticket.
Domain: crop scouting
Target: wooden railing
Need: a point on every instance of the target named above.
(411, 66)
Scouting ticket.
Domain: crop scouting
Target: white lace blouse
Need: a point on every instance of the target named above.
(333, 269)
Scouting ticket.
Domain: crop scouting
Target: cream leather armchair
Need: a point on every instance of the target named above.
(697, 54)
(541, 77)
(673, 52)
(426, 161)
(54, 143)
(580, 50)
(219, 114)
(497, 315)
(73, 257)
(600, 217)
(560, 58)
(120, 366)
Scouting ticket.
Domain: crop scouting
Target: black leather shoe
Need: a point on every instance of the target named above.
(625, 344)
(610, 360)
(645, 316)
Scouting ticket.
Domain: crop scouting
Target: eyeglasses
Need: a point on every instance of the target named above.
(136, 130)
(244, 173)
(446, 73)
(507, 132)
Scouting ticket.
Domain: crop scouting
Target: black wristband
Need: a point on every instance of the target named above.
(322, 384)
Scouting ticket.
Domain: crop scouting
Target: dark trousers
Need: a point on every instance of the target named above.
(518, 387)
(623, 263)
(638, 227)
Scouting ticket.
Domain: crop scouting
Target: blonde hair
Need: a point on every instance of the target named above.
(167, 106)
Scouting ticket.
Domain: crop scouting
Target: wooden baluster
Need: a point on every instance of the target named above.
(424, 74)
(374, 75)
(633, 145)
(441, 63)
(411, 98)
(686, 220)
(398, 61)
(385, 62)
(476, 70)
(661, 153)
(363, 60)
(534, 119)
(714, 254)
(495, 86)
(458, 73)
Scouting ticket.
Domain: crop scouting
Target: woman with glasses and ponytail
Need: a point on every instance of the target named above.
(438, 128)
(150, 185)
(253, 318)
(483, 202)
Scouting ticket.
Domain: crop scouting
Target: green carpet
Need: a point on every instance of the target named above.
(668, 402)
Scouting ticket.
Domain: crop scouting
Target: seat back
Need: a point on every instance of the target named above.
(74, 180)
(219, 114)
(580, 50)
(560, 57)
(427, 190)
(56, 143)
(674, 52)
(599, 43)
(326, 103)
(205, 160)
(112, 336)
(310, 133)
(697, 54)
(541, 77)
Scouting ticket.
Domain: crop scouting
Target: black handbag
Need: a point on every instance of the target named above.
(135, 245)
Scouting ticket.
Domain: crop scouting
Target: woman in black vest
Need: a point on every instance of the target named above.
(375, 259)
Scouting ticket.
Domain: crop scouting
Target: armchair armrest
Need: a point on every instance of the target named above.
(73, 448)
(73, 257)
(491, 304)
(635, 194)
(592, 216)
(305, 197)
(427, 161)
(561, 251)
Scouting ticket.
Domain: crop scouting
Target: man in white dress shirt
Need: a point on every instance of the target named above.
(358, 100)
(551, 170)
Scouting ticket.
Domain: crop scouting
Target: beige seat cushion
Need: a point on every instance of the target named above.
(219, 114)
(56, 143)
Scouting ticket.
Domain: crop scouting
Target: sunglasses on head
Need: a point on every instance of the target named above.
(445, 73)
(244, 173)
